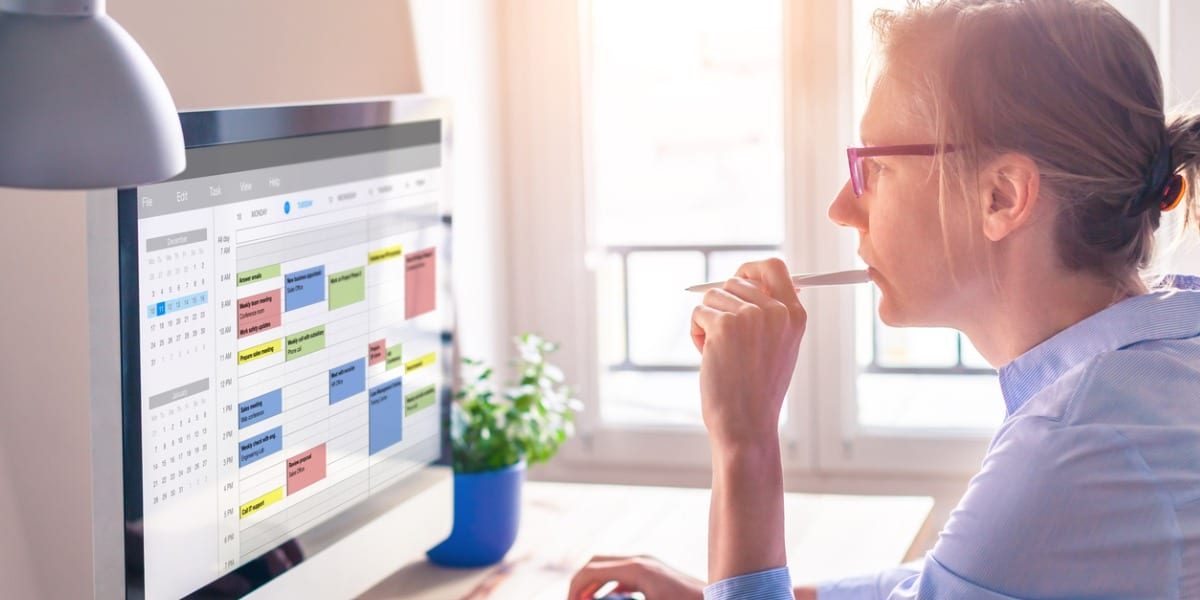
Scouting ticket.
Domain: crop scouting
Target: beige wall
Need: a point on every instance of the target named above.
(221, 53)
(212, 54)
(13, 553)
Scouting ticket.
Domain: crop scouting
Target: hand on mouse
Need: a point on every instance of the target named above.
(643, 574)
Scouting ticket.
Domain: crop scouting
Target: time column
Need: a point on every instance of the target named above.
(225, 292)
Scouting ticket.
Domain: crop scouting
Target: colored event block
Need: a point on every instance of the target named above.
(260, 446)
(385, 254)
(306, 342)
(260, 408)
(395, 357)
(262, 502)
(255, 275)
(417, 363)
(347, 287)
(386, 415)
(347, 380)
(420, 399)
(258, 313)
(376, 352)
(304, 287)
(305, 469)
(420, 282)
(260, 351)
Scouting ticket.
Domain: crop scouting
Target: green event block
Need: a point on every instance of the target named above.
(394, 358)
(420, 399)
(306, 342)
(347, 287)
(260, 274)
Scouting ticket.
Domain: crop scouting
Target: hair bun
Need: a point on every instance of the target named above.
(1158, 185)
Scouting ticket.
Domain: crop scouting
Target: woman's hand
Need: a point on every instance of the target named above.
(635, 574)
(748, 333)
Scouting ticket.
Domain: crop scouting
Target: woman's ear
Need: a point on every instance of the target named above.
(1009, 188)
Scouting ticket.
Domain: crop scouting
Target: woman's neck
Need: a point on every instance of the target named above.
(1034, 305)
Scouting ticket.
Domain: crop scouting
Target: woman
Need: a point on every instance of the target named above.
(1018, 162)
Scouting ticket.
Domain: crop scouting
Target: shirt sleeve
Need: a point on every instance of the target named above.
(875, 586)
(772, 584)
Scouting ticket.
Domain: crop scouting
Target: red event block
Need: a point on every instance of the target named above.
(305, 469)
(420, 282)
(377, 352)
(258, 313)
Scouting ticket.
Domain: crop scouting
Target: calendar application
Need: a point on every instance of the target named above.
(289, 350)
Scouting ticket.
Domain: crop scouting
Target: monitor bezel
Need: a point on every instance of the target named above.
(218, 127)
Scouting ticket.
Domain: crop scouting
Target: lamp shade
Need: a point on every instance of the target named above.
(81, 105)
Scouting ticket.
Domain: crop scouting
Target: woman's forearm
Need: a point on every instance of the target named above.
(745, 530)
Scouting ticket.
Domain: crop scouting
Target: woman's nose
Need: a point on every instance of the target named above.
(847, 209)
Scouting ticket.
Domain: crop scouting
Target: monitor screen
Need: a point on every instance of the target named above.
(283, 337)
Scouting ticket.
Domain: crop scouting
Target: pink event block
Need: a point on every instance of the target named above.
(258, 313)
(420, 282)
(305, 469)
(377, 352)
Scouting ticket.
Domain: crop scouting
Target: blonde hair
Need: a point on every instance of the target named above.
(1070, 83)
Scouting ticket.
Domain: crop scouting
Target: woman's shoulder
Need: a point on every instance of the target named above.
(1134, 409)
(1154, 381)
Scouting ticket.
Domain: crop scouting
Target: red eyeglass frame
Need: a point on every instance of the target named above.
(854, 156)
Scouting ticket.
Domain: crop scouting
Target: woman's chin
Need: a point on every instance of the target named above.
(888, 314)
(893, 314)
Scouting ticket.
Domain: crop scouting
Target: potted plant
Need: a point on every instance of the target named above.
(494, 435)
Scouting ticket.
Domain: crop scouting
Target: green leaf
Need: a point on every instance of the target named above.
(493, 428)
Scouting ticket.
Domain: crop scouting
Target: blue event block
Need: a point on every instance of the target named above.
(386, 415)
(260, 408)
(347, 380)
(305, 287)
(260, 446)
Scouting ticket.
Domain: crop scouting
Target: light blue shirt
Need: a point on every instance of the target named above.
(1091, 487)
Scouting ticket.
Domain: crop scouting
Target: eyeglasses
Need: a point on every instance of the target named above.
(855, 156)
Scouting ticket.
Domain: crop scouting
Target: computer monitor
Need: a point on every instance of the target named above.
(284, 341)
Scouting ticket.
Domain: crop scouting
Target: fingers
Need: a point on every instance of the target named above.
(720, 305)
(698, 335)
(774, 276)
(758, 285)
(600, 570)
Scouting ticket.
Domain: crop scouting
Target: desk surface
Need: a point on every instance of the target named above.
(562, 525)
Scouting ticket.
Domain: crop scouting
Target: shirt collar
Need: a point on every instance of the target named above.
(1167, 313)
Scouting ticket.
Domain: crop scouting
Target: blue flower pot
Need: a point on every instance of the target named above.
(487, 511)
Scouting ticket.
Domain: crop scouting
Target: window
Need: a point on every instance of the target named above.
(687, 182)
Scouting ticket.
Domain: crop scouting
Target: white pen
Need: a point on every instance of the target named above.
(805, 280)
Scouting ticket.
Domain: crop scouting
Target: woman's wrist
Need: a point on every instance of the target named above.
(733, 454)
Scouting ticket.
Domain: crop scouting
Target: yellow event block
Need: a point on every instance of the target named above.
(260, 351)
(385, 254)
(417, 363)
(262, 502)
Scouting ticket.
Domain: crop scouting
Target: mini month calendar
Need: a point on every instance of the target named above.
(176, 331)
(177, 316)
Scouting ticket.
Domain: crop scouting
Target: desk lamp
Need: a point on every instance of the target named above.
(81, 105)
